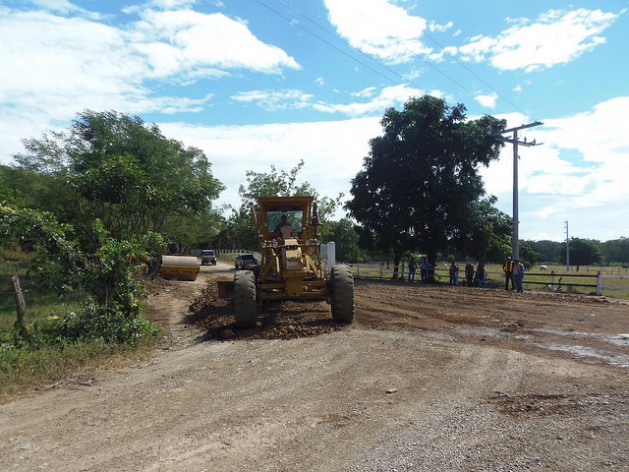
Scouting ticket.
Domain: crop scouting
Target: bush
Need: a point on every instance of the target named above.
(106, 274)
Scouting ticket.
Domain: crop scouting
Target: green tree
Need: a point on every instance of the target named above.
(346, 239)
(280, 183)
(616, 250)
(547, 250)
(421, 176)
(528, 255)
(582, 252)
(24, 188)
(487, 234)
(124, 173)
(106, 275)
(238, 230)
(276, 183)
(59, 260)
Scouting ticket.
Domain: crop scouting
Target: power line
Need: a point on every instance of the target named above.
(398, 75)
(323, 40)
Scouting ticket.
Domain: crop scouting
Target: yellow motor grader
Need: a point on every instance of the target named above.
(291, 266)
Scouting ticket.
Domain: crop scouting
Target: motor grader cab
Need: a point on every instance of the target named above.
(291, 266)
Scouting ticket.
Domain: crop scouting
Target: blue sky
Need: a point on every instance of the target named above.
(260, 82)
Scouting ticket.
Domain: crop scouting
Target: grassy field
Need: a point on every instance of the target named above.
(583, 281)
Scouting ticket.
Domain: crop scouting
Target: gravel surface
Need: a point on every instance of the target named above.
(428, 378)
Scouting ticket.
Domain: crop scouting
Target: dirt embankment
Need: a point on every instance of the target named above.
(428, 378)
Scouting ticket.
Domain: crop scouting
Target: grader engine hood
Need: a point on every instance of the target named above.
(295, 267)
(293, 255)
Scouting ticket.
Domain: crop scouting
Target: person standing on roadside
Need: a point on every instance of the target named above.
(480, 274)
(412, 267)
(454, 274)
(518, 276)
(469, 274)
(425, 267)
(507, 268)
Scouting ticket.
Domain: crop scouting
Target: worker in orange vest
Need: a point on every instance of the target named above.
(507, 268)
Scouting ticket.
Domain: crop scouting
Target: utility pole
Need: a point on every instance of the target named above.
(514, 140)
(567, 248)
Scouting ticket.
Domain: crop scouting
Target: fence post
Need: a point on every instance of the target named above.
(21, 305)
(381, 270)
(599, 284)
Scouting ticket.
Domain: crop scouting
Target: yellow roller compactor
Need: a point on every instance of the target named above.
(290, 267)
(180, 267)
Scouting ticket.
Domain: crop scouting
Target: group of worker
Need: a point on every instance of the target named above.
(513, 269)
(426, 270)
(514, 274)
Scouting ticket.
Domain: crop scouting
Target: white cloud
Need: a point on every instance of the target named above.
(101, 71)
(274, 100)
(332, 151)
(579, 173)
(556, 37)
(205, 40)
(91, 64)
(172, 4)
(388, 97)
(64, 7)
(378, 28)
(488, 101)
(434, 26)
(366, 92)
(601, 139)
(441, 55)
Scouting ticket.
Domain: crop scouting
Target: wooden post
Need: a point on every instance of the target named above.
(21, 305)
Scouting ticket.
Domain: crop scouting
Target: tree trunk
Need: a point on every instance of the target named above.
(396, 264)
(431, 257)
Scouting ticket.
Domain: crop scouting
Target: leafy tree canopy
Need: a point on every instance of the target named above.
(276, 183)
(616, 250)
(487, 234)
(582, 252)
(421, 176)
(345, 237)
(239, 230)
(124, 172)
(546, 250)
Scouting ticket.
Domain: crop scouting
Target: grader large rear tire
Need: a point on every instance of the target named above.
(245, 299)
(342, 296)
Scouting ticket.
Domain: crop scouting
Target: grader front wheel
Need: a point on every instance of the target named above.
(342, 294)
(245, 299)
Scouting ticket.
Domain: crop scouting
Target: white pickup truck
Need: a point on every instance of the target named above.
(208, 256)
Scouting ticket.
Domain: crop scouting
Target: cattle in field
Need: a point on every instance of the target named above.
(543, 267)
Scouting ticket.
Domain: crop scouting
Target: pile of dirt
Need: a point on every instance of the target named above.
(278, 320)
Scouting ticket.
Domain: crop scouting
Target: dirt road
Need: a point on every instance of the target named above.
(429, 378)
